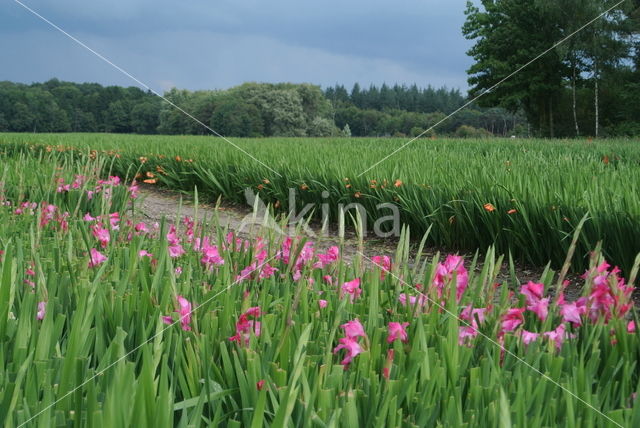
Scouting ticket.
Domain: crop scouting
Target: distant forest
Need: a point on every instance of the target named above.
(249, 110)
(588, 85)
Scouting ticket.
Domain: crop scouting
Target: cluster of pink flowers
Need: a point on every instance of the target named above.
(453, 267)
(259, 268)
(184, 311)
(50, 213)
(527, 318)
(26, 207)
(77, 183)
(352, 288)
(306, 256)
(96, 258)
(352, 331)
(383, 263)
(175, 247)
(246, 326)
(210, 255)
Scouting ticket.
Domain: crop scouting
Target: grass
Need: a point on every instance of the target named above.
(102, 356)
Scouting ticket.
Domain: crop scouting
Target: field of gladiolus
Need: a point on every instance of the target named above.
(524, 197)
(106, 320)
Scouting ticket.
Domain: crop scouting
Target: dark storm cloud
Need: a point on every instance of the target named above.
(198, 44)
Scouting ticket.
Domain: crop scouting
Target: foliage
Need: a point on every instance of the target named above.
(145, 336)
(540, 188)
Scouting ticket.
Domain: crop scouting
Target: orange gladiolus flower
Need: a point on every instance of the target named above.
(512, 211)
(150, 174)
(357, 194)
(150, 181)
(304, 187)
(398, 183)
(489, 207)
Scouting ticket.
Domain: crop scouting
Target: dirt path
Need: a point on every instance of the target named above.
(156, 204)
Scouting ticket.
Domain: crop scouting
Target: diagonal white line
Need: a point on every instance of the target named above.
(466, 323)
(483, 93)
(144, 85)
(239, 279)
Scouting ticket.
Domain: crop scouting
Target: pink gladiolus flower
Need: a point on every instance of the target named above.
(211, 256)
(176, 250)
(512, 319)
(470, 314)
(133, 190)
(268, 271)
(557, 336)
(382, 262)
(572, 312)
(96, 258)
(285, 250)
(397, 331)
(352, 288)
(141, 228)
(184, 310)
(322, 303)
(353, 329)
(469, 331)
(540, 308)
(352, 348)
(42, 309)
(386, 370)
(528, 337)
(246, 272)
(47, 215)
(332, 255)
(413, 300)
(609, 295)
(452, 266)
(114, 219)
(261, 256)
(465, 333)
(144, 253)
(244, 326)
(101, 234)
(172, 236)
(87, 217)
(306, 254)
(532, 291)
(631, 327)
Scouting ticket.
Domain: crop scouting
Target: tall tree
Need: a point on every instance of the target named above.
(508, 34)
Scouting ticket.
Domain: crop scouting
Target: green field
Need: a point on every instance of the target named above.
(446, 184)
(106, 321)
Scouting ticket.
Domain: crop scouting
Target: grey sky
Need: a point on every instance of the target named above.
(199, 44)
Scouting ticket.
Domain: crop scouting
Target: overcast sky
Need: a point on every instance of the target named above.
(207, 44)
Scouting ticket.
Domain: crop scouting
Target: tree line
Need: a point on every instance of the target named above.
(248, 110)
(587, 85)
